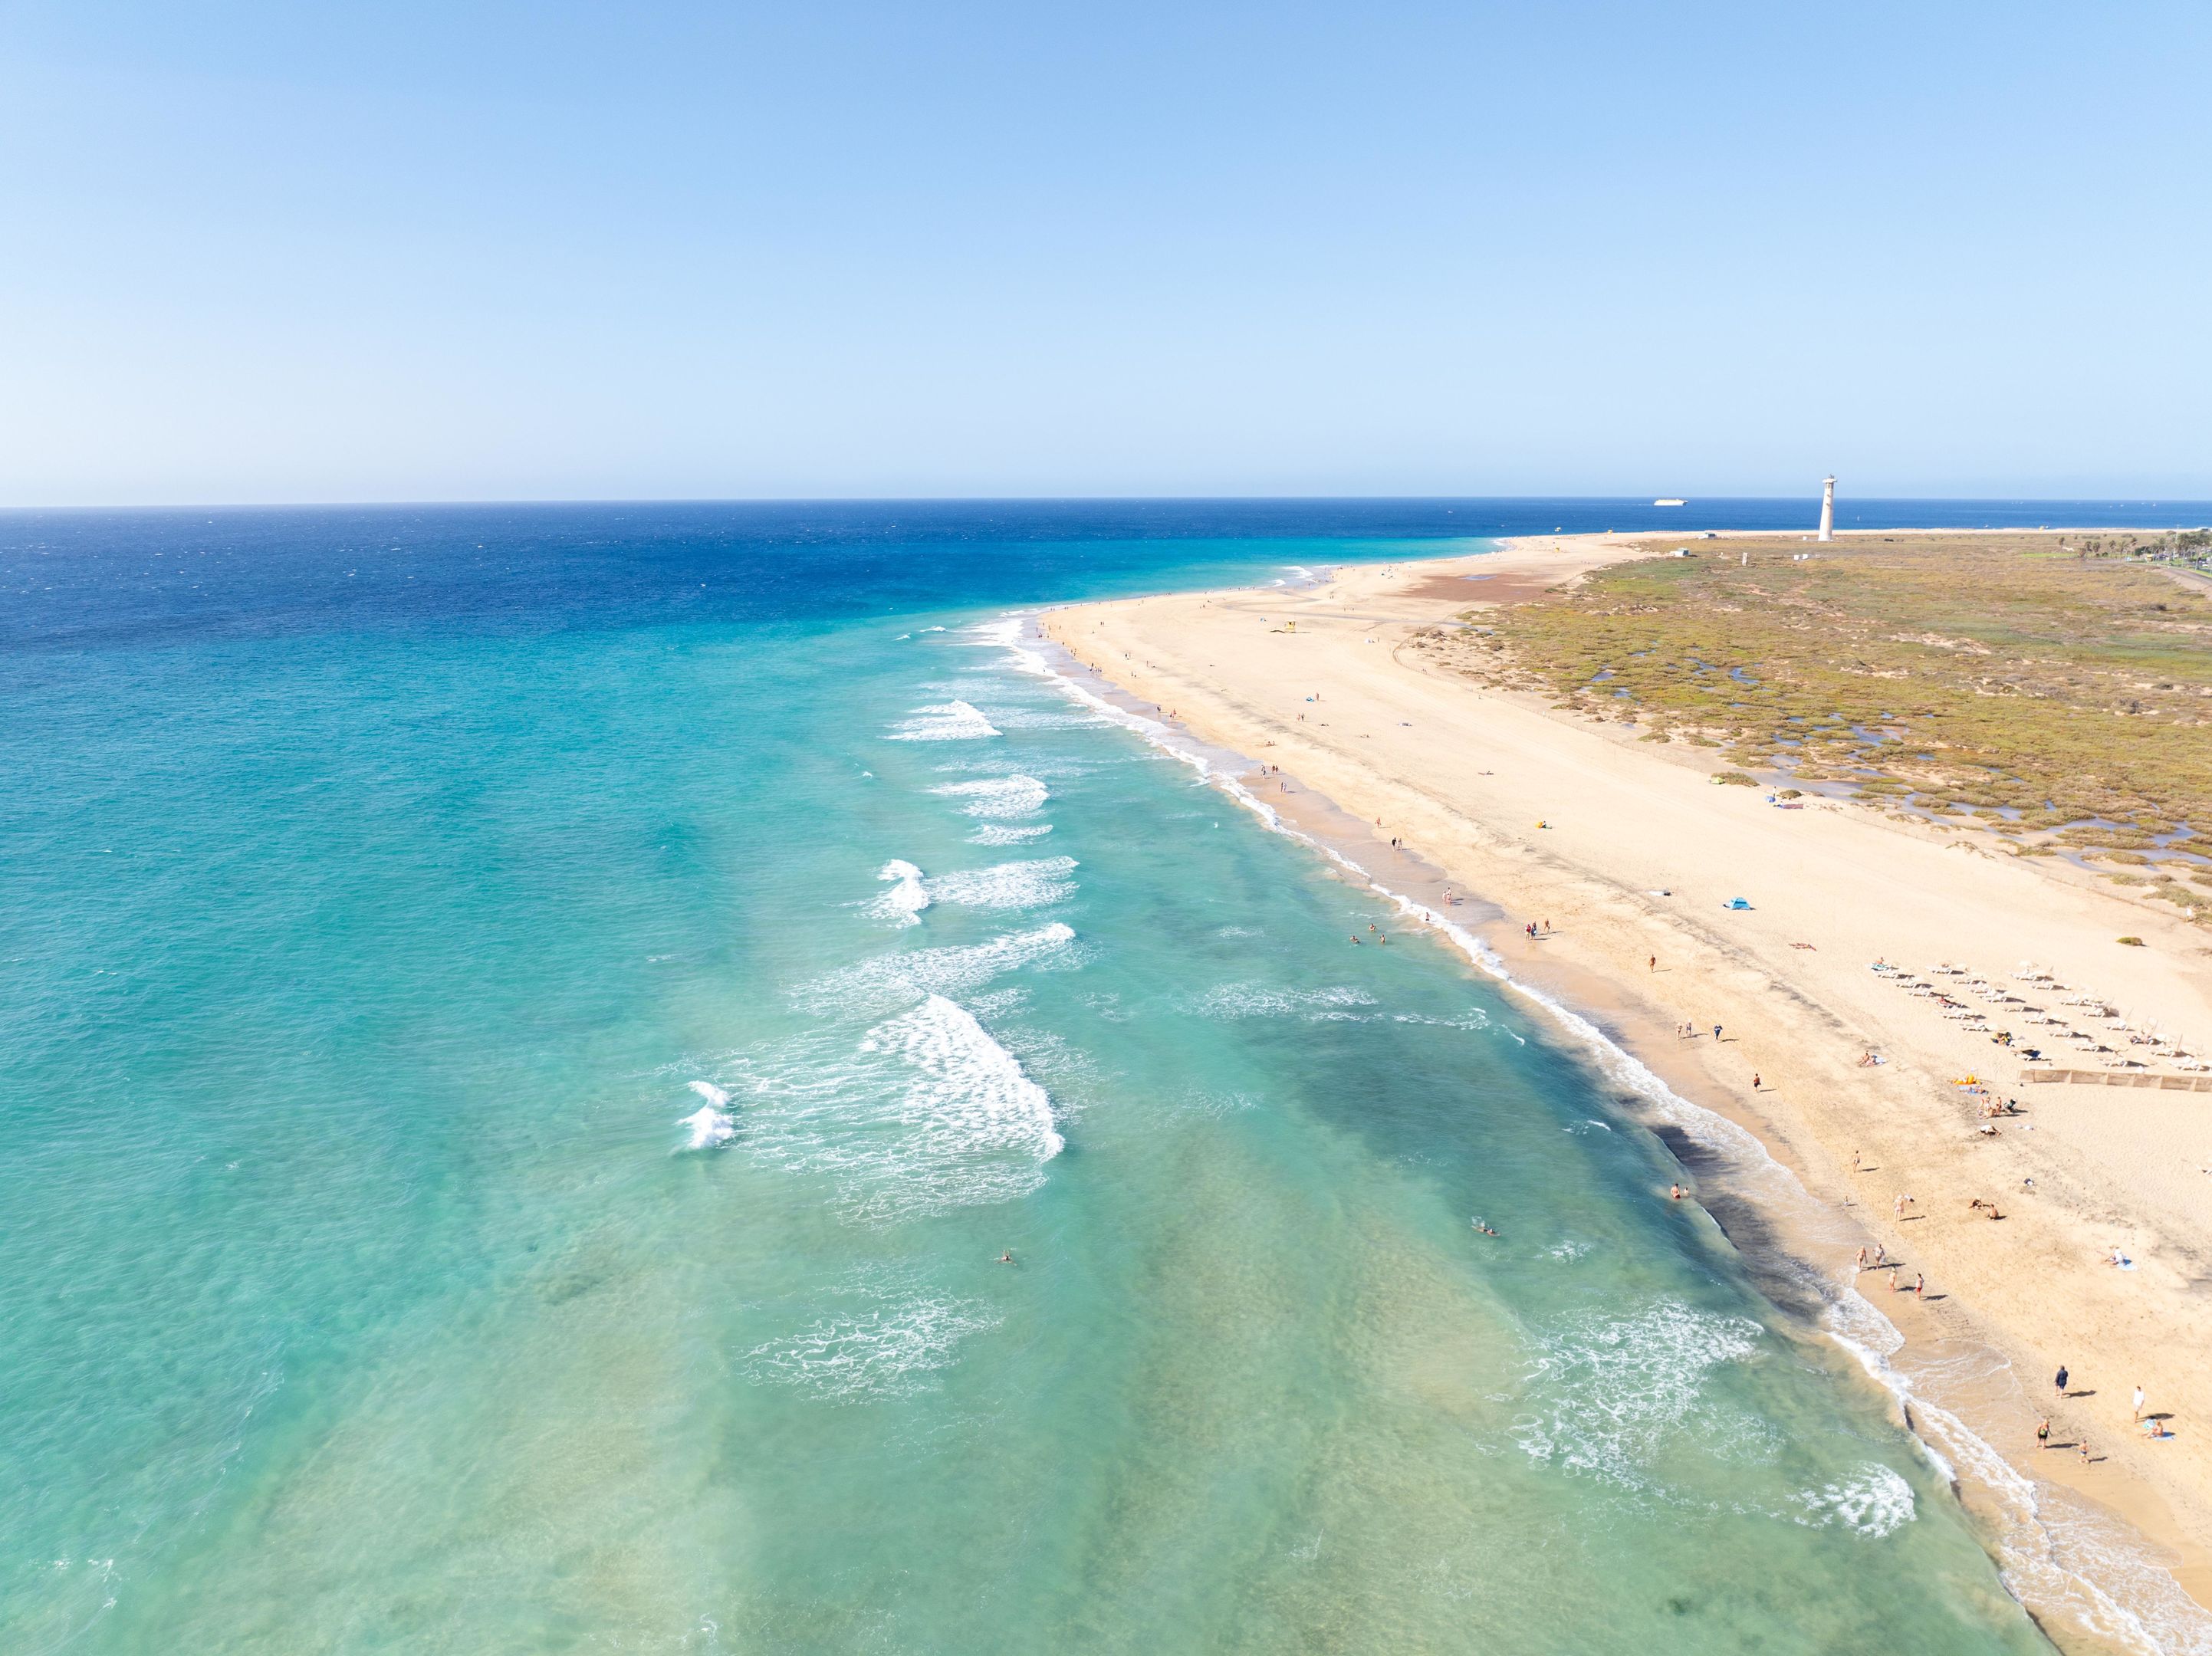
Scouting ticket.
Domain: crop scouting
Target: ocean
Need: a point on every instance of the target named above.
(651, 1078)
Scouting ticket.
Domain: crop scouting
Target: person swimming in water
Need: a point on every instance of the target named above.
(1007, 1258)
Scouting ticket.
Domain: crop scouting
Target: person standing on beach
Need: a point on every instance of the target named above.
(2139, 1402)
(2059, 1381)
(2043, 1433)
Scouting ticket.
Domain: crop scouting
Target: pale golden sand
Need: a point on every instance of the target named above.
(1466, 775)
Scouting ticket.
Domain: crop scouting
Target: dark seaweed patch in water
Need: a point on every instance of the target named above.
(1694, 1156)
(1786, 1281)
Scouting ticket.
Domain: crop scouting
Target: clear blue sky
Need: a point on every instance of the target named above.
(261, 252)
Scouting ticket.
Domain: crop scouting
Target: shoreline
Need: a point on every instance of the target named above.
(2106, 1558)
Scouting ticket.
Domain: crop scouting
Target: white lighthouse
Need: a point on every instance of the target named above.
(1828, 508)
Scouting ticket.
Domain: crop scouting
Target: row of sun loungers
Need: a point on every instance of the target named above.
(2162, 1048)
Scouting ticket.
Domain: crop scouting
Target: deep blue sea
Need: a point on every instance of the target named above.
(525, 1032)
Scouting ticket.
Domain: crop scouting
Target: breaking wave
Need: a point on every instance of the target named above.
(712, 1123)
(892, 980)
(903, 903)
(998, 797)
(1007, 885)
(946, 721)
(1000, 833)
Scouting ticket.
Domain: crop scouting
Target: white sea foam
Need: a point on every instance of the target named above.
(903, 903)
(1029, 719)
(883, 1347)
(946, 721)
(1007, 885)
(712, 1124)
(1002, 833)
(1005, 633)
(1874, 1500)
(707, 1128)
(1252, 1000)
(998, 797)
(1606, 1394)
(971, 1092)
(1474, 1018)
(892, 980)
(924, 1111)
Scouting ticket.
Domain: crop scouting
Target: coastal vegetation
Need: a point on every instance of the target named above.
(2053, 691)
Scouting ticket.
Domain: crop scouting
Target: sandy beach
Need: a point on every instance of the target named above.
(1627, 857)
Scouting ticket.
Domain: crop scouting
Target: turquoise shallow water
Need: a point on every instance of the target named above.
(514, 1108)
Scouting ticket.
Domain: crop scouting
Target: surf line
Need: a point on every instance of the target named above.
(2026, 1542)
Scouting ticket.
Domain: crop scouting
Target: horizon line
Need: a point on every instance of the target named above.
(1644, 501)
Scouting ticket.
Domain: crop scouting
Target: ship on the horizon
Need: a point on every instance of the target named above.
(1670, 501)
